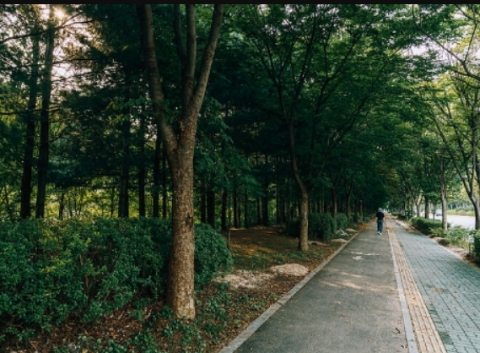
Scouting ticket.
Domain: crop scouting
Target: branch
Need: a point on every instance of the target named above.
(177, 26)
(208, 54)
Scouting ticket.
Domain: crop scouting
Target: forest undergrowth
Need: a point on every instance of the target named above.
(223, 309)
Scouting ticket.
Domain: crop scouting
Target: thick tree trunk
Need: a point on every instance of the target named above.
(30, 117)
(44, 149)
(180, 287)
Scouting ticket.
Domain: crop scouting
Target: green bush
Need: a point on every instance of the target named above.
(342, 221)
(425, 225)
(51, 270)
(211, 253)
(321, 226)
(457, 236)
(476, 244)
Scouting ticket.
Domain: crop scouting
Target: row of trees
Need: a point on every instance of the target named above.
(105, 110)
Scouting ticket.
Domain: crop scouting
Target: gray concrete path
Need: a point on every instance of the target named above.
(351, 306)
(449, 287)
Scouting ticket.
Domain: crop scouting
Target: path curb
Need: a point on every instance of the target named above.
(259, 321)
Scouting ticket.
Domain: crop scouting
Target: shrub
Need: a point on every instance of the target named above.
(51, 270)
(457, 236)
(211, 253)
(425, 225)
(437, 232)
(342, 220)
(476, 244)
(321, 226)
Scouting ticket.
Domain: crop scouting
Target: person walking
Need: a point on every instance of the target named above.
(380, 216)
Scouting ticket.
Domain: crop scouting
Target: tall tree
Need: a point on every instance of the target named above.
(44, 149)
(180, 141)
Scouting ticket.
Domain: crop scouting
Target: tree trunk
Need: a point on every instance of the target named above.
(30, 118)
(61, 205)
(427, 208)
(180, 145)
(266, 194)
(303, 241)
(211, 208)
(180, 287)
(236, 215)
(334, 203)
(203, 203)
(476, 208)
(443, 194)
(156, 175)
(164, 183)
(259, 212)
(224, 209)
(245, 209)
(141, 171)
(44, 149)
(123, 199)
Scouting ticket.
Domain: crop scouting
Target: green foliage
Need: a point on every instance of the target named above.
(211, 253)
(457, 236)
(342, 220)
(51, 270)
(425, 225)
(321, 226)
(476, 245)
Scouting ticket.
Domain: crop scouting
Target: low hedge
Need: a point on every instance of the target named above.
(424, 225)
(54, 270)
(321, 226)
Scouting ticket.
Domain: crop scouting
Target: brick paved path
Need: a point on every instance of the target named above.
(450, 289)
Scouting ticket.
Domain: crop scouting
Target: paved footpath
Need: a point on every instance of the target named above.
(395, 292)
(449, 287)
(350, 306)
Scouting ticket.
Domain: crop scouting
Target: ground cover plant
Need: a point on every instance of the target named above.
(146, 325)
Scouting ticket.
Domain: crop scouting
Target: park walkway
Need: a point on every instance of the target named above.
(395, 292)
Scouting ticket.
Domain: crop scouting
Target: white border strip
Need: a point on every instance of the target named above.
(255, 325)
(407, 321)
